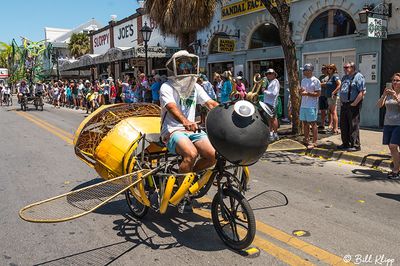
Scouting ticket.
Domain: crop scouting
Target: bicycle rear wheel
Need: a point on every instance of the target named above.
(233, 219)
(138, 210)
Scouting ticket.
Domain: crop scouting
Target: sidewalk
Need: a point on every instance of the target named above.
(372, 154)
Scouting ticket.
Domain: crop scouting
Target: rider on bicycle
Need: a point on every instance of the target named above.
(178, 97)
(39, 89)
(23, 89)
(5, 93)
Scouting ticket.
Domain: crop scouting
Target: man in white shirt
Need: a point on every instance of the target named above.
(178, 98)
(310, 91)
(271, 94)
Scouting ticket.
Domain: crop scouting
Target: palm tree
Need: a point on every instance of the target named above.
(280, 11)
(182, 18)
(79, 44)
(5, 54)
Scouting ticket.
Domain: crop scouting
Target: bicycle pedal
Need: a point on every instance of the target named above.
(154, 200)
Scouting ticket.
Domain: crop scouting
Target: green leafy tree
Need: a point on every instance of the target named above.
(5, 55)
(182, 18)
(280, 11)
(79, 44)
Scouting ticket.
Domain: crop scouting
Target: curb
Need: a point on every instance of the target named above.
(369, 160)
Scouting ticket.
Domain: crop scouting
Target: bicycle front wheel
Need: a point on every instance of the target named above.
(233, 219)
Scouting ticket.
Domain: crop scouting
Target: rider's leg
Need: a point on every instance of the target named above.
(207, 154)
(188, 151)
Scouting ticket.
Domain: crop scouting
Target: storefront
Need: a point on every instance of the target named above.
(323, 32)
(119, 50)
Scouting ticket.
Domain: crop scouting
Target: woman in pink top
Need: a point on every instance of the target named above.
(241, 89)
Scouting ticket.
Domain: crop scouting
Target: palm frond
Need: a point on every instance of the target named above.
(177, 17)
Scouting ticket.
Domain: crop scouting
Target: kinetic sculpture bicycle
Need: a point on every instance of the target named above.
(121, 142)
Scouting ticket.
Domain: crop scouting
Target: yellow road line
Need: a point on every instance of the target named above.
(308, 248)
(272, 249)
(61, 131)
(293, 241)
(51, 130)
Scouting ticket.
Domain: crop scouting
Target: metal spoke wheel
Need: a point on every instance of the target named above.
(137, 208)
(233, 219)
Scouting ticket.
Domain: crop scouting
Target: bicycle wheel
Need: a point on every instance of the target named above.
(233, 219)
(137, 208)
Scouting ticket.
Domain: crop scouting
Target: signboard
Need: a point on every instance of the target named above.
(101, 42)
(241, 8)
(377, 28)
(226, 45)
(125, 34)
(156, 51)
(3, 73)
(368, 66)
(157, 38)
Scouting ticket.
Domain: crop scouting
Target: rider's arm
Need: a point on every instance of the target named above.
(178, 116)
(211, 104)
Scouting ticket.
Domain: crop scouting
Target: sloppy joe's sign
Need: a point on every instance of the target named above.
(125, 34)
(101, 42)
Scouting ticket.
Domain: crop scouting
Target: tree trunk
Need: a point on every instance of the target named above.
(184, 40)
(289, 50)
(280, 11)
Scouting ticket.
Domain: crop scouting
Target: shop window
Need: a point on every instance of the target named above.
(266, 35)
(331, 23)
(214, 41)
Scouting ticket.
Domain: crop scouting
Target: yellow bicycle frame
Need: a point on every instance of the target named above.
(178, 196)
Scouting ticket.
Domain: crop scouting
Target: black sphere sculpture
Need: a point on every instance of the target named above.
(238, 132)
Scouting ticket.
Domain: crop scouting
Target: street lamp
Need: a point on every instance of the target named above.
(383, 10)
(146, 34)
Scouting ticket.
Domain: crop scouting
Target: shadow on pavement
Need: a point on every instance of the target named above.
(389, 196)
(104, 255)
(291, 158)
(268, 199)
(367, 175)
(170, 230)
(166, 232)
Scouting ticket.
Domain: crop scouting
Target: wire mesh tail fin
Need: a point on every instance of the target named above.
(79, 202)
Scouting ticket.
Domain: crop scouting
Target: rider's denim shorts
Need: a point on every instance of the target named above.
(308, 114)
(178, 135)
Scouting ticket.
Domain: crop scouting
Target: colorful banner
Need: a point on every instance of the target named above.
(226, 45)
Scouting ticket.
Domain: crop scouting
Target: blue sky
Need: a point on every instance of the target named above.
(29, 17)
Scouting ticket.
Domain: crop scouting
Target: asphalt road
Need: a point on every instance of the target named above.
(343, 209)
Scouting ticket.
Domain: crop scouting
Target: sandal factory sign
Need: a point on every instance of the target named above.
(245, 7)
(241, 8)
